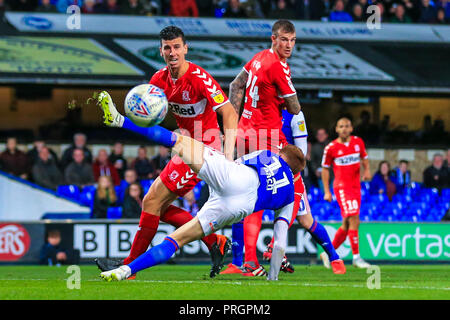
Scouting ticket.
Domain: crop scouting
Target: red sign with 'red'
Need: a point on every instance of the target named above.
(14, 241)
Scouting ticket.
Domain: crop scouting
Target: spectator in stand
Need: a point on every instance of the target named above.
(357, 13)
(161, 160)
(109, 7)
(402, 176)
(45, 171)
(235, 10)
(205, 8)
(62, 5)
(130, 177)
(382, 181)
(440, 18)
(282, 12)
(400, 15)
(46, 7)
(132, 202)
(183, 8)
(91, 7)
(23, 5)
(117, 159)
(143, 165)
(13, 160)
(189, 204)
(412, 9)
(437, 175)
(445, 4)
(4, 6)
(52, 253)
(428, 13)
(105, 197)
(133, 7)
(317, 154)
(338, 14)
(33, 154)
(103, 167)
(79, 142)
(447, 161)
(79, 172)
(253, 8)
(382, 10)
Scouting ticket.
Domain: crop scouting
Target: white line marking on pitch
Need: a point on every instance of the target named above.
(252, 283)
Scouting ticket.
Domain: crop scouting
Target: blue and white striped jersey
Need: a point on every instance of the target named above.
(276, 188)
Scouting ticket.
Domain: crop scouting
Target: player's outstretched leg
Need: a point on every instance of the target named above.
(217, 244)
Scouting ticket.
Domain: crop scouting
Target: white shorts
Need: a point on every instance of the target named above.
(233, 191)
(285, 213)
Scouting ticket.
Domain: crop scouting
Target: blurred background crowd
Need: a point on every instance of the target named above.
(396, 11)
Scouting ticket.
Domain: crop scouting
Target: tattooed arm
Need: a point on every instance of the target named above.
(237, 90)
(292, 104)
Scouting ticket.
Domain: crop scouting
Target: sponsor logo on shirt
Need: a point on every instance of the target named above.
(347, 160)
(188, 110)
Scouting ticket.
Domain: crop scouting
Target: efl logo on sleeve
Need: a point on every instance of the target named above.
(218, 96)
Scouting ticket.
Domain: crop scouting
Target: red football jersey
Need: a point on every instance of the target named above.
(269, 82)
(193, 100)
(346, 161)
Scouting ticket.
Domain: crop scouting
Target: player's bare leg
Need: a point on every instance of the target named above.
(353, 227)
(156, 204)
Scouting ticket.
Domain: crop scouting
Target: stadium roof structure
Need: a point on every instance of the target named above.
(352, 58)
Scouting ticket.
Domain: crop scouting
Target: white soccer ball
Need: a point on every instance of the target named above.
(146, 105)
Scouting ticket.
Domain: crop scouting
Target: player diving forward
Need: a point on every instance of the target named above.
(265, 83)
(258, 181)
(194, 98)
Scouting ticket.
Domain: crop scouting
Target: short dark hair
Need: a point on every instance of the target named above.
(404, 161)
(283, 25)
(294, 157)
(346, 117)
(170, 33)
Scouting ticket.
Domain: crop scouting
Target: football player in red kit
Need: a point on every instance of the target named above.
(194, 98)
(345, 154)
(265, 83)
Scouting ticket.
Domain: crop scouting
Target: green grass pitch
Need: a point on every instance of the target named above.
(191, 282)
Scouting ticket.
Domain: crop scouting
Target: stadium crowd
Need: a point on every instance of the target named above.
(114, 186)
(396, 11)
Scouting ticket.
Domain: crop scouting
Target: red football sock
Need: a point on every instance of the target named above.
(354, 240)
(339, 237)
(252, 226)
(177, 217)
(148, 225)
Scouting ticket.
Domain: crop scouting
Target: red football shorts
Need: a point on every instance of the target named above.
(178, 177)
(349, 200)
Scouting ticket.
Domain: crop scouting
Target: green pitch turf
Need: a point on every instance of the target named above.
(172, 282)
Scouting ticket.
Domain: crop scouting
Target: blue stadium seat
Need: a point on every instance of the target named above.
(365, 185)
(87, 196)
(146, 184)
(379, 199)
(69, 191)
(316, 194)
(120, 192)
(197, 189)
(427, 195)
(114, 213)
(445, 195)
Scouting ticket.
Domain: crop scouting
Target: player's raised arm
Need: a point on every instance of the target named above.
(237, 90)
(230, 122)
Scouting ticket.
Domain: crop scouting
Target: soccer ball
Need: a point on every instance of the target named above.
(146, 105)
